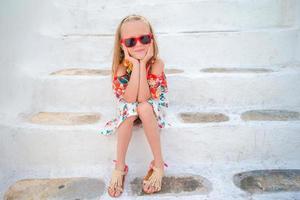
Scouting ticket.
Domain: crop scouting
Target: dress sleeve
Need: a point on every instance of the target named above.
(158, 88)
(119, 85)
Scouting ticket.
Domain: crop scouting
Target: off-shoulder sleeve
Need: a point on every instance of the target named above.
(119, 85)
(158, 88)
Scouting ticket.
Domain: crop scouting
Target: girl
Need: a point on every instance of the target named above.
(139, 83)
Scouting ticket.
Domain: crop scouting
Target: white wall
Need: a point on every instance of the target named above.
(21, 47)
(297, 23)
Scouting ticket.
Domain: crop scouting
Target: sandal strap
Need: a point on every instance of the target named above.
(126, 166)
(117, 179)
(152, 165)
(118, 172)
(155, 179)
(158, 170)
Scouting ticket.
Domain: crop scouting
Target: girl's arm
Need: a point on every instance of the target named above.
(131, 91)
(144, 91)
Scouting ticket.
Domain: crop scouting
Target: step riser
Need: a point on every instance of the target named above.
(297, 56)
(62, 148)
(253, 48)
(232, 90)
(91, 18)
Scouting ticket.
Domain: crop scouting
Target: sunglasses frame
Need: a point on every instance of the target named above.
(136, 39)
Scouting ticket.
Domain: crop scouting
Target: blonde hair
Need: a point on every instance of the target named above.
(118, 54)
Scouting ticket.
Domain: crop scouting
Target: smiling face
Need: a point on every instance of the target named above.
(136, 29)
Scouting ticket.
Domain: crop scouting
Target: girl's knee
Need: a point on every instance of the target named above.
(144, 108)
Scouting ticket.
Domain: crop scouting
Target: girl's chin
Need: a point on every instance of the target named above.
(139, 56)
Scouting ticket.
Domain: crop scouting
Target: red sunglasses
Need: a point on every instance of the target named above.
(131, 42)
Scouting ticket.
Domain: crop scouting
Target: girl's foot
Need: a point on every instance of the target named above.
(116, 185)
(153, 180)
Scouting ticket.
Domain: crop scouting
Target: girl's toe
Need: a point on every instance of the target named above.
(146, 188)
(152, 189)
(149, 189)
(111, 191)
(117, 193)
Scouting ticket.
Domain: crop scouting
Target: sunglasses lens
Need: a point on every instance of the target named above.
(145, 39)
(130, 42)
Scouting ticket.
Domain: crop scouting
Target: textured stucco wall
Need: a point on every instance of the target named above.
(21, 48)
(297, 23)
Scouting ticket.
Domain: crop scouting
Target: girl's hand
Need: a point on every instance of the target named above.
(148, 55)
(134, 61)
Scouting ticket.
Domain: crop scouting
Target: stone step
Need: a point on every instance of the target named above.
(219, 136)
(181, 181)
(258, 47)
(90, 18)
(74, 89)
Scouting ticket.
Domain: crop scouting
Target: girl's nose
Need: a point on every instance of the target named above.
(138, 43)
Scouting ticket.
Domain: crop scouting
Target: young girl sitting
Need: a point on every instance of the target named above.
(140, 86)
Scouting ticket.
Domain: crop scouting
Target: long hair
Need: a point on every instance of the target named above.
(118, 53)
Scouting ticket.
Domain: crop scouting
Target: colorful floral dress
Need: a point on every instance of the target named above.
(158, 89)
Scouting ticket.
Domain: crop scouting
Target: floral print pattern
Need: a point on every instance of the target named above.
(158, 88)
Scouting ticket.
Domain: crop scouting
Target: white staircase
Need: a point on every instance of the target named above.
(233, 70)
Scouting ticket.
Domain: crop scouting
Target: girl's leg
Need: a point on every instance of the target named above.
(124, 133)
(147, 116)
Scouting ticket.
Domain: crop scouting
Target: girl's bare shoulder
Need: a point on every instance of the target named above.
(158, 66)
